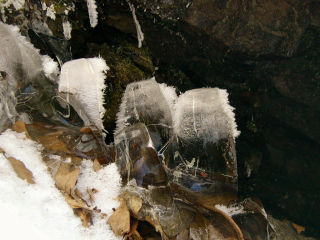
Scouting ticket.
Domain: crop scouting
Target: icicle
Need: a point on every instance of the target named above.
(92, 11)
(67, 28)
(140, 34)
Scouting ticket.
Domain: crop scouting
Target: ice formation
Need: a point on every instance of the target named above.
(67, 28)
(205, 114)
(19, 62)
(92, 11)
(17, 52)
(84, 79)
(144, 102)
(50, 68)
(140, 34)
(17, 4)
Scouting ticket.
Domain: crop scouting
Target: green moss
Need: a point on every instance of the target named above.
(127, 64)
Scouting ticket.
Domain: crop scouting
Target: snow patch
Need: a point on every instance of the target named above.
(106, 181)
(39, 210)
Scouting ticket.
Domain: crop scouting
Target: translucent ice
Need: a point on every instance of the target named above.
(205, 114)
(145, 102)
(84, 80)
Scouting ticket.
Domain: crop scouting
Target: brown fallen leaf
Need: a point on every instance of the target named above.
(96, 165)
(20, 127)
(134, 204)
(84, 216)
(52, 142)
(78, 193)
(76, 202)
(86, 130)
(66, 177)
(298, 228)
(21, 170)
(120, 219)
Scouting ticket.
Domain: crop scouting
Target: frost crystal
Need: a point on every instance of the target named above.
(206, 114)
(84, 78)
(92, 11)
(67, 28)
(50, 67)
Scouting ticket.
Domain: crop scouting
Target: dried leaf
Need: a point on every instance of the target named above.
(66, 177)
(120, 219)
(20, 127)
(21, 170)
(53, 143)
(298, 228)
(86, 130)
(84, 216)
(96, 165)
(76, 203)
(134, 204)
(78, 193)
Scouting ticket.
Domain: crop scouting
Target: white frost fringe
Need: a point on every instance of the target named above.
(92, 11)
(84, 78)
(140, 34)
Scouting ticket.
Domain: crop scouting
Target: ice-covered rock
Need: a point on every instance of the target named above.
(145, 102)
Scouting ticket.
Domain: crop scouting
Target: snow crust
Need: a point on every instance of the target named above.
(84, 78)
(39, 211)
